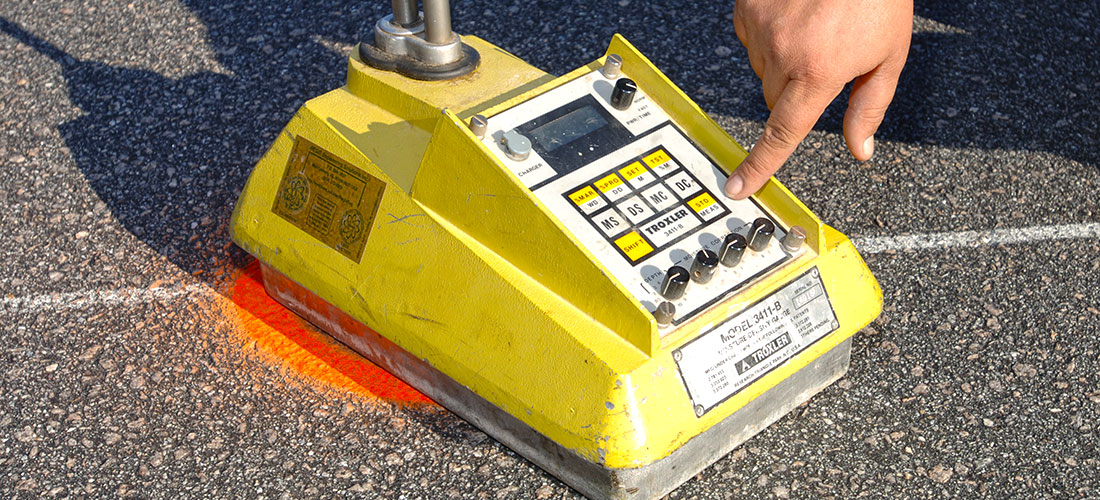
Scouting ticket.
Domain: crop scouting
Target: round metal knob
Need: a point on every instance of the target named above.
(702, 269)
(675, 283)
(623, 95)
(664, 314)
(479, 125)
(733, 247)
(612, 66)
(794, 239)
(760, 234)
(515, 145)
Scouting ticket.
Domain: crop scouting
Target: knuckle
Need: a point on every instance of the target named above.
(816, 72)
(779, 134)
(870, 112)
(753, 169)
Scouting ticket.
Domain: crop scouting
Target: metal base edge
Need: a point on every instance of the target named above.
(590, 479)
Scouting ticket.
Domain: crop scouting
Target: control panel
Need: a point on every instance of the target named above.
(632, 187)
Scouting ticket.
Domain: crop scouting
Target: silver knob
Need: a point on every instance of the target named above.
(479, 125)
(612, 66)
(664, 314)
(794, 239)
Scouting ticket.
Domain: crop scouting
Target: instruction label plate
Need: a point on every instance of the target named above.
(328, 198)
(721, 362)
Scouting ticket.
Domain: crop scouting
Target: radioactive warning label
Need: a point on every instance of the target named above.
(721, 362)
(328, 198)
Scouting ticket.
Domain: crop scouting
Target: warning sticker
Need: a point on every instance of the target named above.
(721, 362)
(328, 198)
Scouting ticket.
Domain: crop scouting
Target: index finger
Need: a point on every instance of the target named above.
(795, 113)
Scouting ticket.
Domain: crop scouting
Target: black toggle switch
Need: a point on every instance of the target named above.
(702, 270)
(760, 234)
(676, 282)
(733, 247)
(623, 95)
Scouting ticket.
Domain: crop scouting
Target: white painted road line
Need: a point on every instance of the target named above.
(931, 241)
(867, 246)
(120, 296)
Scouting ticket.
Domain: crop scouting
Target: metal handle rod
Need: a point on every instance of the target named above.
(437, 21)
(405, 13)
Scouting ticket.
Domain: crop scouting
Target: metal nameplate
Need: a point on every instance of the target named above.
(720, 363)
(328, 198)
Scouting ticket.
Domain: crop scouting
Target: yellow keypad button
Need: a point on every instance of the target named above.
(701, 202)
(633, 170)
(608, 183)
(658, 157)
(633, 246)
(583, 195)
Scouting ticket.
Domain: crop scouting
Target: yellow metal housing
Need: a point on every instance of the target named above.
(520, 314)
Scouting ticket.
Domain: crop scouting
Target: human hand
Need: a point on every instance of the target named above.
(804, 52)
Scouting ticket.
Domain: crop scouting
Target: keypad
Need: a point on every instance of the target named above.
(646, 205)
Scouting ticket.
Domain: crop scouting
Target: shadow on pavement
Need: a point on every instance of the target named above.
(1023, 76)
(169, 155)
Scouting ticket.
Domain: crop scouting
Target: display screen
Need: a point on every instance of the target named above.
(568, 128)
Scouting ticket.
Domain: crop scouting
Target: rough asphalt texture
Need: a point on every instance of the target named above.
(128, 130)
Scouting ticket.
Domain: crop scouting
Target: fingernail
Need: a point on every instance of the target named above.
(869, 147)
(734, 185)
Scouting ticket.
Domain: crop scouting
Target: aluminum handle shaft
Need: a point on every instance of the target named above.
(405, 13)
(437, 21)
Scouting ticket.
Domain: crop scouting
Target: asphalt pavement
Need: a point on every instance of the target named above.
(137, 360)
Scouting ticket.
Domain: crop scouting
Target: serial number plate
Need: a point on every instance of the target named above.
(721, 362)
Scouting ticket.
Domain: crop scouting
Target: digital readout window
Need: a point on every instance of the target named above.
(568, 128)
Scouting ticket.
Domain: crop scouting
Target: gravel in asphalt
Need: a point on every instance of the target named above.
(129, 129)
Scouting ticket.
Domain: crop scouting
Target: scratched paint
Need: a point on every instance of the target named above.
(306, 350)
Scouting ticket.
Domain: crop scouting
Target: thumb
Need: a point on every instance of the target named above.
(871, 95)
(796, 111)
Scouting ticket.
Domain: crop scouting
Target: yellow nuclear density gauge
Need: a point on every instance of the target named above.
(552, 258)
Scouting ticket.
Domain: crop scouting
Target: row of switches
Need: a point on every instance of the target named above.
(729, 254)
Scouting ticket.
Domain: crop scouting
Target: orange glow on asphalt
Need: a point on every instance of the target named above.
(307, 350)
